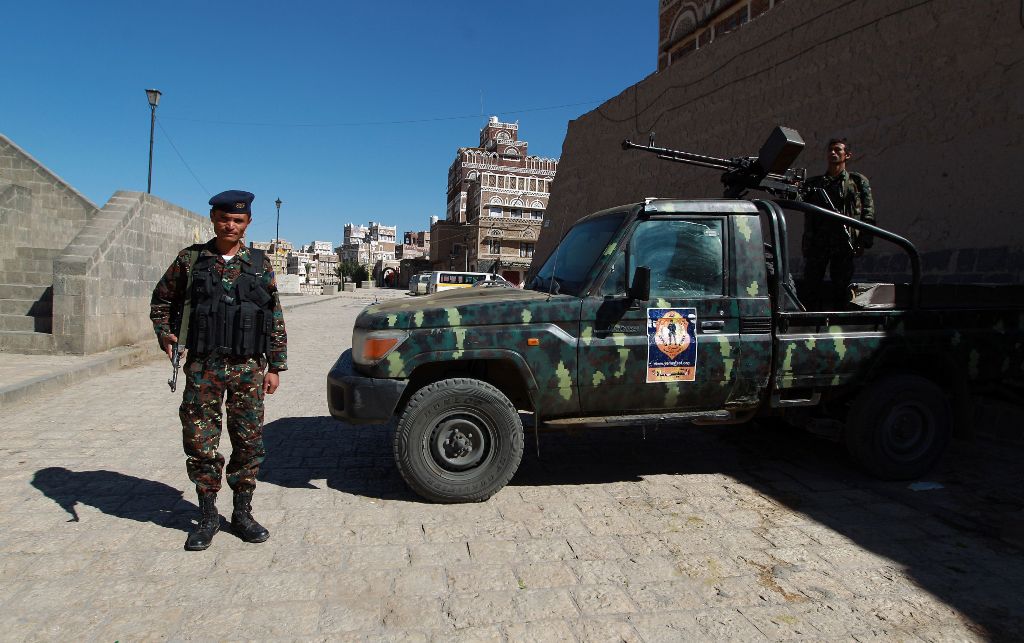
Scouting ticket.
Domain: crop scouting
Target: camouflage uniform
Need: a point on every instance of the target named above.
(829, 244)
(211, 377)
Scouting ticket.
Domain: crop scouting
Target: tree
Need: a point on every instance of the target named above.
(346, 269)
(361, 274)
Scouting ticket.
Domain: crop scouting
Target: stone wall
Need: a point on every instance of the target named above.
(928, 92)
(38, 209)
(104, 278)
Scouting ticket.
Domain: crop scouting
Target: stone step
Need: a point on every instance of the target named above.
(21, 291)
(37, 253)
(26, 278)
(32, 307)
(28, 343)
(26, 323)
(27, 265)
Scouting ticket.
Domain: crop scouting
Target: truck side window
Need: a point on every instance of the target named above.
(685, 256)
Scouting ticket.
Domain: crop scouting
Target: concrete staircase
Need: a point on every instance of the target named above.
(26, 301)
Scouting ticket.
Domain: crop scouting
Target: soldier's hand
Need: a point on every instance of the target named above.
(169, 341)
(270, 383)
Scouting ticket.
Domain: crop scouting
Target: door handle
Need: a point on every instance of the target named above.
(714, 326)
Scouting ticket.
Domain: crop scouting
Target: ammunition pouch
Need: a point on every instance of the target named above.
(236, 322)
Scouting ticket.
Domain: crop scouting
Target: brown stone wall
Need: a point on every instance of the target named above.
(929, 94)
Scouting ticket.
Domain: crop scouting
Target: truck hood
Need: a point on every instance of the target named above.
(470, 307)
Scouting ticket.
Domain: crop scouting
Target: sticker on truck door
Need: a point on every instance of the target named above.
(671, 345)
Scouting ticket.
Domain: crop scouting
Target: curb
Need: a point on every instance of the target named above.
(111, 360)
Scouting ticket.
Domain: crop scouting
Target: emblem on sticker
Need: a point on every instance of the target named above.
(671, 345)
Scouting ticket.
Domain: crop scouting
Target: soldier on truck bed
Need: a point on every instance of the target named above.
(830, 245)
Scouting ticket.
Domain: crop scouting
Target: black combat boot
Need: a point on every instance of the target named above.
(242, 522)
(209, 523)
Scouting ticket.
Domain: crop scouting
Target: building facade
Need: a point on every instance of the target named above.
(684, 26)
(367, 245)
(497, 197)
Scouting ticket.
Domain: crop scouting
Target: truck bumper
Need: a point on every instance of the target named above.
(356, 399)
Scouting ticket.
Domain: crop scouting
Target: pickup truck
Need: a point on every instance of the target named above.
(674, 310)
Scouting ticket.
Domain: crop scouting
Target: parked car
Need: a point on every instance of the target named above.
(418, 283)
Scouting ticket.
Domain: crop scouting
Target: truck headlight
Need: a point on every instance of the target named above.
(371, 346)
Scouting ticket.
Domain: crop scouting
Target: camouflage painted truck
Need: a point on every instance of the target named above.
(675, 310)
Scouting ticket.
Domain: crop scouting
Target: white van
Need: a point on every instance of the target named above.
(448, 279)
(418, 284)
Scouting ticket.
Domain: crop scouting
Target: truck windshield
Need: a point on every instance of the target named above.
(569, 265)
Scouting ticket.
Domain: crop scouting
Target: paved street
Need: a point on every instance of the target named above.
(679, 533)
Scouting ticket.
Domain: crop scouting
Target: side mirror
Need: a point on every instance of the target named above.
(640, 290)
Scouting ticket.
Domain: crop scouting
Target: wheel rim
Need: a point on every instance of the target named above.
(908, 431)
(461, 442)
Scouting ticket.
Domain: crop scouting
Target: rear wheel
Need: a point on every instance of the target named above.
(898, 427)
(458, 440)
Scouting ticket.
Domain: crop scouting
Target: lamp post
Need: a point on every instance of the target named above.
(277, 235)
(154, 98)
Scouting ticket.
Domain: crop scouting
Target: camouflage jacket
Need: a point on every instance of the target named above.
(169, 295)
(850, 193)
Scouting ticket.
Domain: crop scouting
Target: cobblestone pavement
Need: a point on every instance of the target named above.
(680, 533)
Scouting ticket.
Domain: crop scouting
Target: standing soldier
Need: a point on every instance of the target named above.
(829, 244)
(232, 326)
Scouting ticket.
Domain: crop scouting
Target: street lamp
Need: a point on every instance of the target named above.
(277, 238)
(154, 98)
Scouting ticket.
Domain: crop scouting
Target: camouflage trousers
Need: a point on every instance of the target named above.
(838, 260)
(237, 383)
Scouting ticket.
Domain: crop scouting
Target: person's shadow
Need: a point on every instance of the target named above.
(116, 494)
(350, 459)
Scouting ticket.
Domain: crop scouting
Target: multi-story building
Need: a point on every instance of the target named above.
(420, 239)
(317, 247)
(326, 265)
(497, 195)
(298, 263)
(382, 233)
(368, 244)
(278, 254)
(684, 26)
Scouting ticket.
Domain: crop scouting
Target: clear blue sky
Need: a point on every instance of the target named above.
(283, 99)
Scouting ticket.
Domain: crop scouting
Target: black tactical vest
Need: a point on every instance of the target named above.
(234, 322)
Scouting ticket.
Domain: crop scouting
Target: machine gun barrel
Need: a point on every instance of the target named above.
(684, 157)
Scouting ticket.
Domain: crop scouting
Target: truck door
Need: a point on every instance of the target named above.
(665, 353)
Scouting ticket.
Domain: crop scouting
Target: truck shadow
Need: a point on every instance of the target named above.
(959, 538)
(953, 541)
(116, 494)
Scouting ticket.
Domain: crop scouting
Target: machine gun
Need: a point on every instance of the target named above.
(769, 170)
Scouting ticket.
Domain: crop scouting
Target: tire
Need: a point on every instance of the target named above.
(898, 427)
(458, 440)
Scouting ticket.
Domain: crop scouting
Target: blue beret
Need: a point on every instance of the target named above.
(233, 202)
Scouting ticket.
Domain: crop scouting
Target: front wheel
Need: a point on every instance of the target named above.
(458, 440)
(898, 427)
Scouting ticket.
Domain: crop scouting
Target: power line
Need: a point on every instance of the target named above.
(411, 121)
(183, 162)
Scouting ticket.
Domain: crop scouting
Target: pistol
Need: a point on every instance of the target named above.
(175, 360)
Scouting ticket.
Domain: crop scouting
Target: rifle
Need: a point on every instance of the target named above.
(183, 316)
(175, 359)
(768, 171)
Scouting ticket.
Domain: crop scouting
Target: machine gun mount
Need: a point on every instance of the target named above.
(769, 171)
